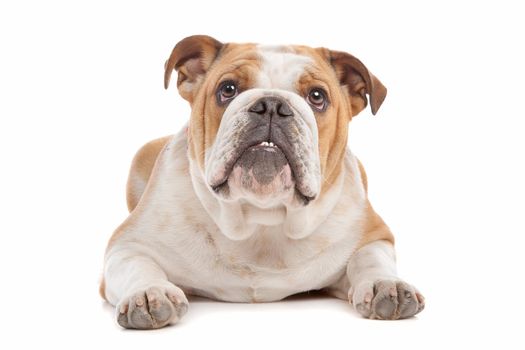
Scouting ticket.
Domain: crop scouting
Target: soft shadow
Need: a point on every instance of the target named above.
(309, 295)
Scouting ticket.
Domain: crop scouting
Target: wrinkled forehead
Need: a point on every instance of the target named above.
(281, 67)
(271, 67)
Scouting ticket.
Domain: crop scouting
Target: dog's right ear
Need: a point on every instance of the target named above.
(191, 58)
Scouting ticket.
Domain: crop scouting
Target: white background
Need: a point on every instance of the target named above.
(81, 90)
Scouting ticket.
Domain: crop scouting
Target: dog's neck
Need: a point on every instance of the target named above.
(241, 219)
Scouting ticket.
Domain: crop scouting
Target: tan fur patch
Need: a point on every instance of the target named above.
(139, 175)
(332, 124)
(140, 171)
(375, 228)
(364, 178)
(237, 62)
(102, 289)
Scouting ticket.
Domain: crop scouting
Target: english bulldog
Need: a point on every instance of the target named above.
(258, 197)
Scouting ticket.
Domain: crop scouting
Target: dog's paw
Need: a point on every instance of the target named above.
(386, 300)
(152, 307)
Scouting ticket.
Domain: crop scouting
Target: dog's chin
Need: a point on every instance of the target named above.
(262, 175)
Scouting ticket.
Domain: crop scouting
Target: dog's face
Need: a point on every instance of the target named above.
(269, 125)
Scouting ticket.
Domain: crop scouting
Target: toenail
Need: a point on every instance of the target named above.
(123, 309)
(368, 298)
(420, 298)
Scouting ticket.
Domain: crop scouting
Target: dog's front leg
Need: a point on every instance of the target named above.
(140, 290)
(375, 290)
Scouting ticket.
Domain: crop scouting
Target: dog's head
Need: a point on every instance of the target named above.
(269, 124)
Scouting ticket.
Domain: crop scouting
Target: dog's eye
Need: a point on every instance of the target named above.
(317, 99)
(227, 91)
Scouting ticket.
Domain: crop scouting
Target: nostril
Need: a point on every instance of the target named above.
(259, 107)
(284, 110)
(270, 106)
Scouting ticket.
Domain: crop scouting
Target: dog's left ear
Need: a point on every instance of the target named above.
(191, 57)
(353, 74)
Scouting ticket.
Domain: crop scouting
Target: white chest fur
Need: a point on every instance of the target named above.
(173, 225)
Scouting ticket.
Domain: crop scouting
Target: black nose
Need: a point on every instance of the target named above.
(270, 106)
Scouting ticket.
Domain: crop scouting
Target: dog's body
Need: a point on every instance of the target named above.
(258, 198)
